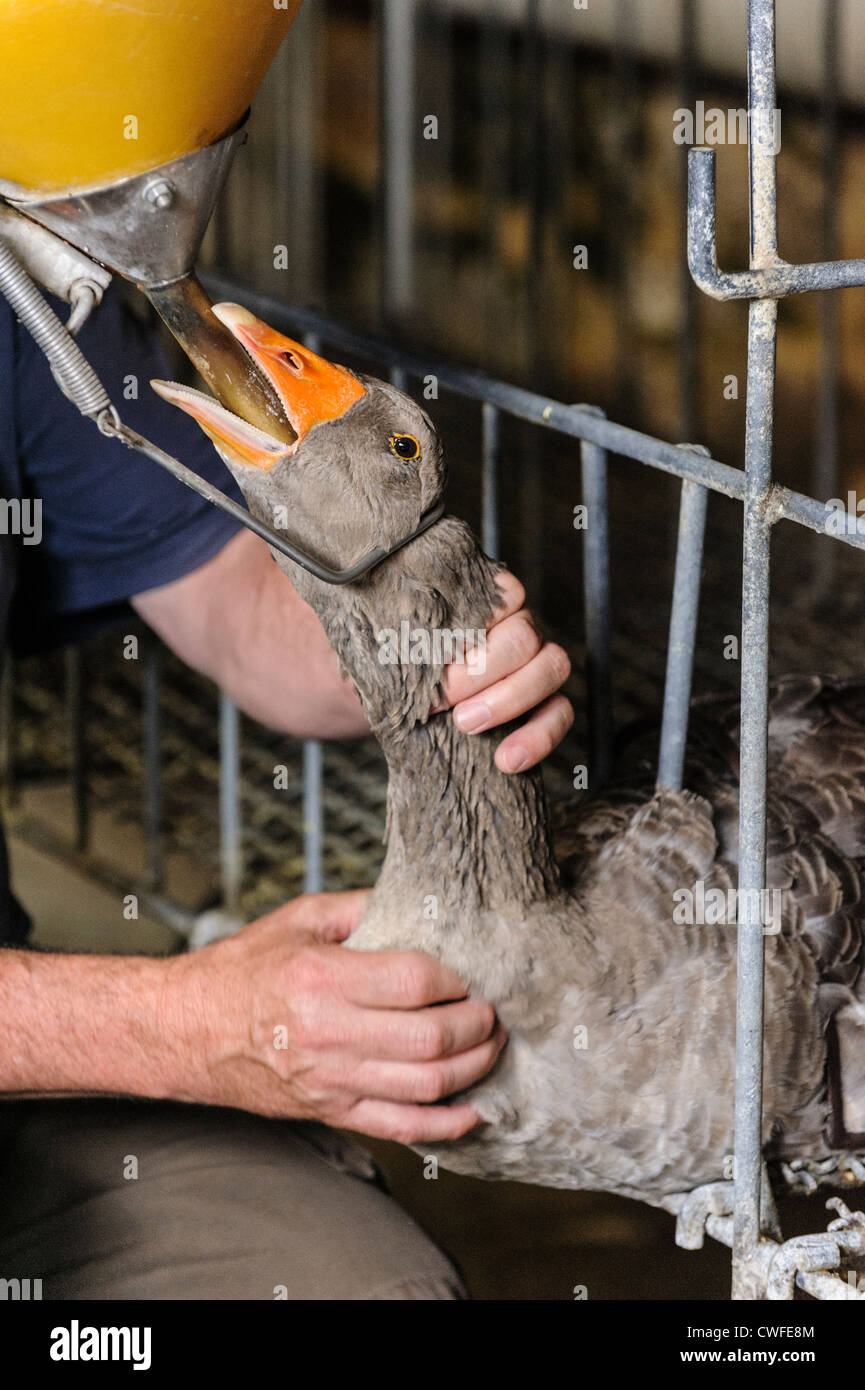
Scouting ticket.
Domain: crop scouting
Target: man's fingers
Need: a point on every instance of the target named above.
(512, 596)
(510, 645)
(334, 916)
(411, 1124)
(397, 979)
(404, 1035)
(517, 693)
(426, 1082)
(541, 733)
(312, 919)
(320, 917)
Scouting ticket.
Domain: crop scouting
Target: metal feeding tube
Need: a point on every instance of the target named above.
(185, 308)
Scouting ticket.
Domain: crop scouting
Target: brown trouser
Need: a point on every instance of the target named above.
(224, 1205)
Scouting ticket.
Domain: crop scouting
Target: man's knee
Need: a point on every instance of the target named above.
(112, 1200)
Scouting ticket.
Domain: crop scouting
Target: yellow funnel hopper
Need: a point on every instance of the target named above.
(93, 91)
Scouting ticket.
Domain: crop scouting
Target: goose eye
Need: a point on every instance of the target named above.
(405, 446)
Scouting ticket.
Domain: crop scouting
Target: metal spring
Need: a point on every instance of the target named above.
(73, 373)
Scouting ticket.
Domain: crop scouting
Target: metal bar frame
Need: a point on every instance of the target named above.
(398, 52)
(683, 633)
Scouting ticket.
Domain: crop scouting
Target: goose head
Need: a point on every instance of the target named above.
(366, 463)
(364, 468)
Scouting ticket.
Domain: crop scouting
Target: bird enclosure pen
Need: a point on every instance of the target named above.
(764, 1264)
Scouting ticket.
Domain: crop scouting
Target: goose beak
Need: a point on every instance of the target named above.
(311, 389)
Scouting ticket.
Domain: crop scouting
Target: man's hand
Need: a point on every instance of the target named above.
(239, 619)
(280, 1020)
(522, 675)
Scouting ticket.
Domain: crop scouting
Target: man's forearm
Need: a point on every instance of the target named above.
(281, 669)
(240, 621)
(86, 1025)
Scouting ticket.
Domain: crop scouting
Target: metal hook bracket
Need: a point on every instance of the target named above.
(771, 282)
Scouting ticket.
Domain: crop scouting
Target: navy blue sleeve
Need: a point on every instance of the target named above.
(114, 523)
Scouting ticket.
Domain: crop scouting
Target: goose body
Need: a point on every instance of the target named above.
(619, 1069)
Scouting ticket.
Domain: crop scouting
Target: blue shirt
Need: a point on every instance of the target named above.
(113, 523)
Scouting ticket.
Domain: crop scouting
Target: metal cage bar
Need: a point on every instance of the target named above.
(490, 479)
(759, 416)
(825, 473)
(683, 633)
(313, 817)
(230, 824)
(596, 606)
(398, 45)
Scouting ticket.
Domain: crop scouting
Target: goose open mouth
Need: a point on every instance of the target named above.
(236, 439)
(311, 389)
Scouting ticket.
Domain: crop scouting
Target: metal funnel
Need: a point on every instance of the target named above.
(149, 229)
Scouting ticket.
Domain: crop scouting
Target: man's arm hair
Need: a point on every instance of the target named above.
(85, 1025)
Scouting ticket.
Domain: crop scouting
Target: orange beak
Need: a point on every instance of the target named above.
(311, 389)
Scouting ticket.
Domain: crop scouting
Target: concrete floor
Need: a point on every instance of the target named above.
(74, 913)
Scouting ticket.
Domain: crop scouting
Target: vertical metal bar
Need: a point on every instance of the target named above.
(296, 185)
(683, 633)
(494, 152)
(152, 721)
(313, 819)
(398, 135)
(596, 600)
(762, 333)
(752, 790)
(78, 746)
(230, 854)
(490, 479)
(826, 479)
(761, 148)
(622, 186)
(533, 181)
(689, 322)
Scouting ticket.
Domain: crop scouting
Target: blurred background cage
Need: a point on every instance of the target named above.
(494, 182)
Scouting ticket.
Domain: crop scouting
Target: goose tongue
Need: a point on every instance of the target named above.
(236, 439)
